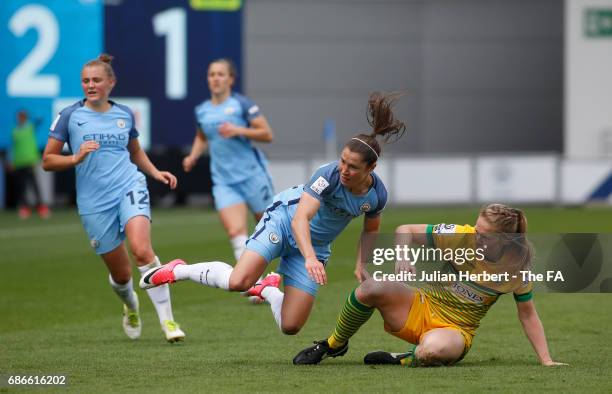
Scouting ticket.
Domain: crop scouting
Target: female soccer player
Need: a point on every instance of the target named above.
(441, 318)
(25, 156)
(227, 123)
(112, 195)
(300, 226)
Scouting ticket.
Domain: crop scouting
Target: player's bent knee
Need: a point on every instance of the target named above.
(143, 254)
(428, 357)
(290, 329)
(234, 232)
(240, 283)
(122, 278)
(437, 353)
(369, 291)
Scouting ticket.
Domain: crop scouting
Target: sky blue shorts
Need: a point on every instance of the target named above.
(272, 238)
(256, 192)
(106, 230)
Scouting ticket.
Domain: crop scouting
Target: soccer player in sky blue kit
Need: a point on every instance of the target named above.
(112, 195)
(299, 227)
(226, 125)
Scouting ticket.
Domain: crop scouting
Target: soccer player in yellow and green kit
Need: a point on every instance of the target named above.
(441, 318)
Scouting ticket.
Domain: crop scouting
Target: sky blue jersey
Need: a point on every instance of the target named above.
(338, 205)
(232, 160)
(104, 174)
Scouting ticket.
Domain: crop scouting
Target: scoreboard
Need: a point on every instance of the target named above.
(161, 50)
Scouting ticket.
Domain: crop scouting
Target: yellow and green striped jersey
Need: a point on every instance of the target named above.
(466, 302)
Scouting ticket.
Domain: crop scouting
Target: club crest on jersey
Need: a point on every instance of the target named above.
(365, 207)
(94, 243)
(229, 110)
(444, 228)
(120, 123)
(319, 185)
(274, 238)
(253, 110)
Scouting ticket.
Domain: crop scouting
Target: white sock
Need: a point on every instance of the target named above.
(125, 293)
(160, 296)
(211, 274)
(274, 297)
(239, 244)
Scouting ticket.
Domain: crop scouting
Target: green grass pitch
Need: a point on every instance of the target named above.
(59, 315)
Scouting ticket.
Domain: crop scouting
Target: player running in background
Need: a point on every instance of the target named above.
(112, 195)
(227, 123)
(25, 156)
(441, 318)
(300, 226)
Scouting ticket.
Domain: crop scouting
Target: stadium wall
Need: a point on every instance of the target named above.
(588, 85)
(464, 180)
(479, 76)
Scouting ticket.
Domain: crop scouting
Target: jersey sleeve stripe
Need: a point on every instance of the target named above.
(429, 233)
(523, 297)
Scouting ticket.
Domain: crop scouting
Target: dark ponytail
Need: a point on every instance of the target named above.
(381, 117)
(382, 120)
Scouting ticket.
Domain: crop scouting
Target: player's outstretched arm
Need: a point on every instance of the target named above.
(300, 226)
(534, 330)
(413, 233)
(367, 241)
(409, 234)
(200, 144)
(140, 158)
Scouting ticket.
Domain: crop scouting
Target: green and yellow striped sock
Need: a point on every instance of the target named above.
(411, 360)
(352, 317)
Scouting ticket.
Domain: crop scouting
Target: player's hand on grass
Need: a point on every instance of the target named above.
(189, 162)
(551, 363)
(166, 178)
(84, 150)
(316, 270)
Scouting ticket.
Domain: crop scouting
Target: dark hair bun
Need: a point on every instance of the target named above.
(105, 58)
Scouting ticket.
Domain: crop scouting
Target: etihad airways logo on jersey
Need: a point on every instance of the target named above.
(340, 211)
(106, 138)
